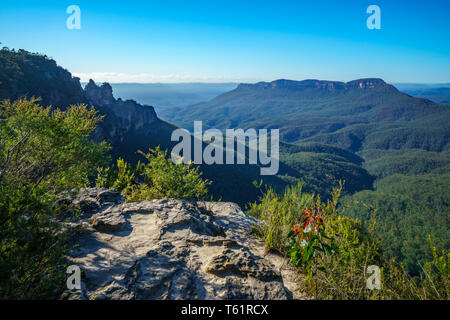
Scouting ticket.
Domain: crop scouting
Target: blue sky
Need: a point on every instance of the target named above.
(242, 41)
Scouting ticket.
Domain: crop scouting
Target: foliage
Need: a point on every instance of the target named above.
(158, 178)
(432, 285)
(31, 252)
(307, 237)
(436, 273)
(278, 213)
(407, 209)
(46, 148)
(43, 151)
(343, 248)
(341, 275)
(320, 171)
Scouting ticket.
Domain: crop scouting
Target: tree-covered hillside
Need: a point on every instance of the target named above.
(407, 209)
(437, 94)
(307, 109)
(25, 74)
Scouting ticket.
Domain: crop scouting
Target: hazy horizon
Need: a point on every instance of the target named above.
(434, 84)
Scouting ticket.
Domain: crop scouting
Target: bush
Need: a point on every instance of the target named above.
(278, 213)
(31, 253)
(335, 251)
(158, 178)
(48, 149)
(43, 151)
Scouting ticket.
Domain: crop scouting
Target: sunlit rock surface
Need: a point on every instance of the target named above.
(172, 249)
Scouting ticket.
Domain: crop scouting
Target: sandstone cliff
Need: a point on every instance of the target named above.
(172, 249)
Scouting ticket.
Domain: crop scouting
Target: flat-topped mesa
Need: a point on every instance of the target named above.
(368, 83)
(294, 85)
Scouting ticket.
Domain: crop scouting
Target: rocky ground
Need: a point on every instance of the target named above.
(172, 249)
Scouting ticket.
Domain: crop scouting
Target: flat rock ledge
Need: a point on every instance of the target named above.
(172, 249)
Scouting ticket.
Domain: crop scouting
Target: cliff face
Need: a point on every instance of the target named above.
(127, 126)
(136, 115)
(368, 83)
(122, 117)
(172, 249)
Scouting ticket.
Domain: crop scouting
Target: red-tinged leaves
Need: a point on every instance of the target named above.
(308, 237)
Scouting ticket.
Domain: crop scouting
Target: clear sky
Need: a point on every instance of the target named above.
(242, 41)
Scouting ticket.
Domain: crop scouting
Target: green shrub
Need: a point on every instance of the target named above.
(341, 275)
(31, 253)
(158, 178)
(42, 151)
(278, 213)
(335, 251)
(48, 149)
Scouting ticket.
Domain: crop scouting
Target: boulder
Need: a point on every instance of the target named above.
(174, 249)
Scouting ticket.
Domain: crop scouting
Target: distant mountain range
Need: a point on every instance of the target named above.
(391, 131)
(439, 95)
(360, 114)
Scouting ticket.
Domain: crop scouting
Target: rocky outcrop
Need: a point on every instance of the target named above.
(172, 249)
(99, 95)
(128, 126)
(127, 116)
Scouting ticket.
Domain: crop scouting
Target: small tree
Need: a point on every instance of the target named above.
(42, 151)
(158, 178)
(48, 149)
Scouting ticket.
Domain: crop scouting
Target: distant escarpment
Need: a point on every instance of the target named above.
(356, 115)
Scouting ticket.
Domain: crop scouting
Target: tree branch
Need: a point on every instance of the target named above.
(10, 151)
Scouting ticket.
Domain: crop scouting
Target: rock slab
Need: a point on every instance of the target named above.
(173, 249)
